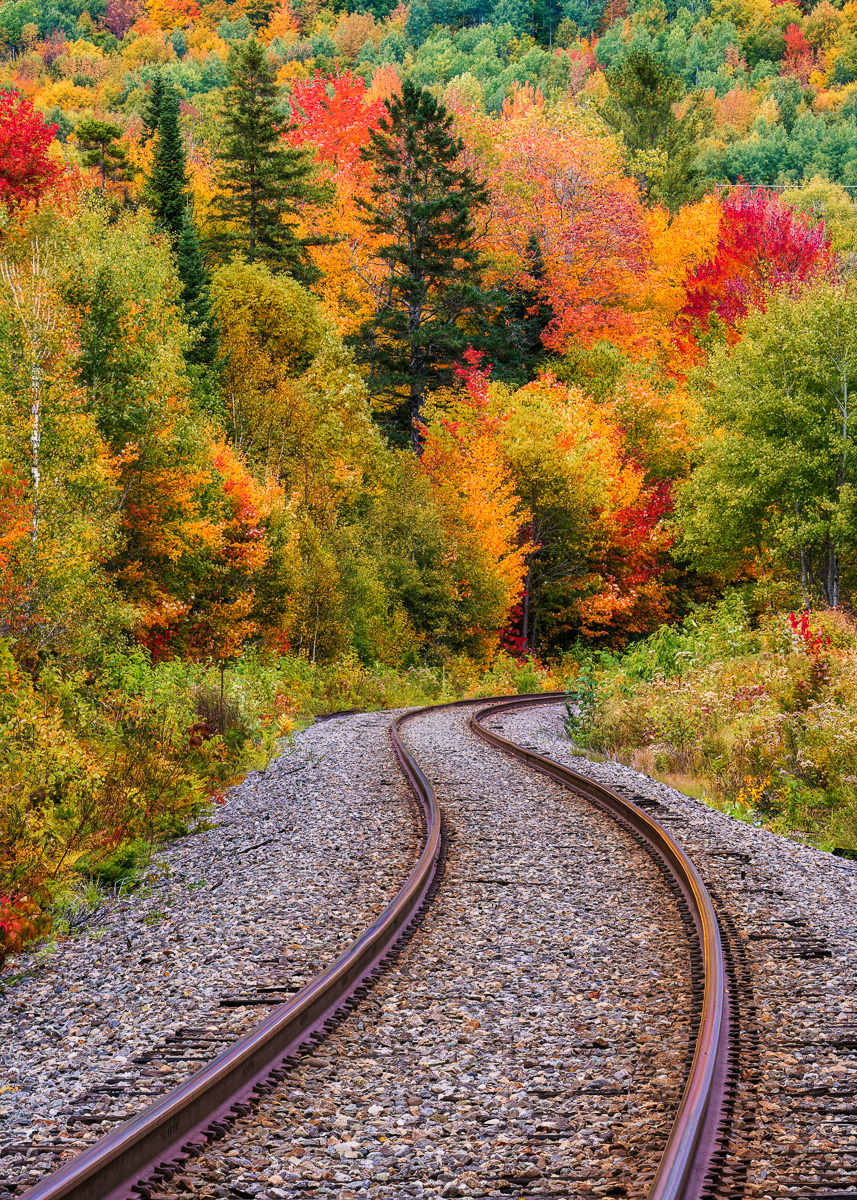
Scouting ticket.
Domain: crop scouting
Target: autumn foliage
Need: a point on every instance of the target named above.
(211, 516)
(335, 116)
(27, 171)
(762, 245)
(551, 178)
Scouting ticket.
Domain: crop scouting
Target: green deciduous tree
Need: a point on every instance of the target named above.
(272, 330)
(421, 210)
(262, 181)
(777, 471)
(821, 200)
(662, 147)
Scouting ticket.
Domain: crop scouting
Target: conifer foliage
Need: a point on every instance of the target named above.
(196, 297)
(152, 108)
(662, 146)
(262, 181)
(421, 208)
(168, 197)
(168, 183)
(100, 148)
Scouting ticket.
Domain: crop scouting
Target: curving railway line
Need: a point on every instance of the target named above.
(673, 1123)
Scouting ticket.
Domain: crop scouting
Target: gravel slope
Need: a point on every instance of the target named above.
(531, 1041)
(301, 859)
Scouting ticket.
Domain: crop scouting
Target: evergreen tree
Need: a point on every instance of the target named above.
(421, 209)
(167, 195)
(513, 339)
(99, 145)
(662, 148)
(167, 186)
(151, 113)
(196, 297)
(261, 180)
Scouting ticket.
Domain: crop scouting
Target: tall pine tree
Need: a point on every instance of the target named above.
(167, 193)
(167, 186)
(152, 107)
(421, 210)
(100, 147)
(261, 181)
(513, 338)
(196, 298)
(662, 148)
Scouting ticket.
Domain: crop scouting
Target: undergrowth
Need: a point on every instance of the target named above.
(100, 765)
(759, 719)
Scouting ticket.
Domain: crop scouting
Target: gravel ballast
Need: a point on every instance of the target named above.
(531, 1041)
(791, 911)
(302, 858)
(533, 1038)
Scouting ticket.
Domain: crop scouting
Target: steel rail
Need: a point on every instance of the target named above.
(694, 1140)
(154, 1142)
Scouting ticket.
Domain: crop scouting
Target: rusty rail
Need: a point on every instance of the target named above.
(152, 1144)
(694, 1140)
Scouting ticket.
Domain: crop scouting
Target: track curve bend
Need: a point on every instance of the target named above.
(149, 1148)
(694, 1142)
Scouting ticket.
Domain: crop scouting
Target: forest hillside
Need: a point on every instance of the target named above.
(368, 357)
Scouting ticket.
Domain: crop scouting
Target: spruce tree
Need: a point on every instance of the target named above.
(513, 338)
(151, 113)
(421, 210)
(167, 194)
(261, 180)
(167, 186)
(196, 297)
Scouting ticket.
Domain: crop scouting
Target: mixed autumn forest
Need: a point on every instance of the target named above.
(374, 357)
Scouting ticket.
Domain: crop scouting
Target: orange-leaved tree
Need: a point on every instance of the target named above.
(551, 178)
(214, 624)
(474, 491)
(595, 527)
(335, 115)
(679, 244)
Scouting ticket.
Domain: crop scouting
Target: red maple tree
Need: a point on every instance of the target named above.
(26, 171)
(762, 245)
(799, 60)
(332, 114)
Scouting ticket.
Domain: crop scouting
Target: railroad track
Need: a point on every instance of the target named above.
(140, 1158)
(786, 918)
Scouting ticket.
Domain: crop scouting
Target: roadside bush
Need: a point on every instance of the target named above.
(98, 765)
